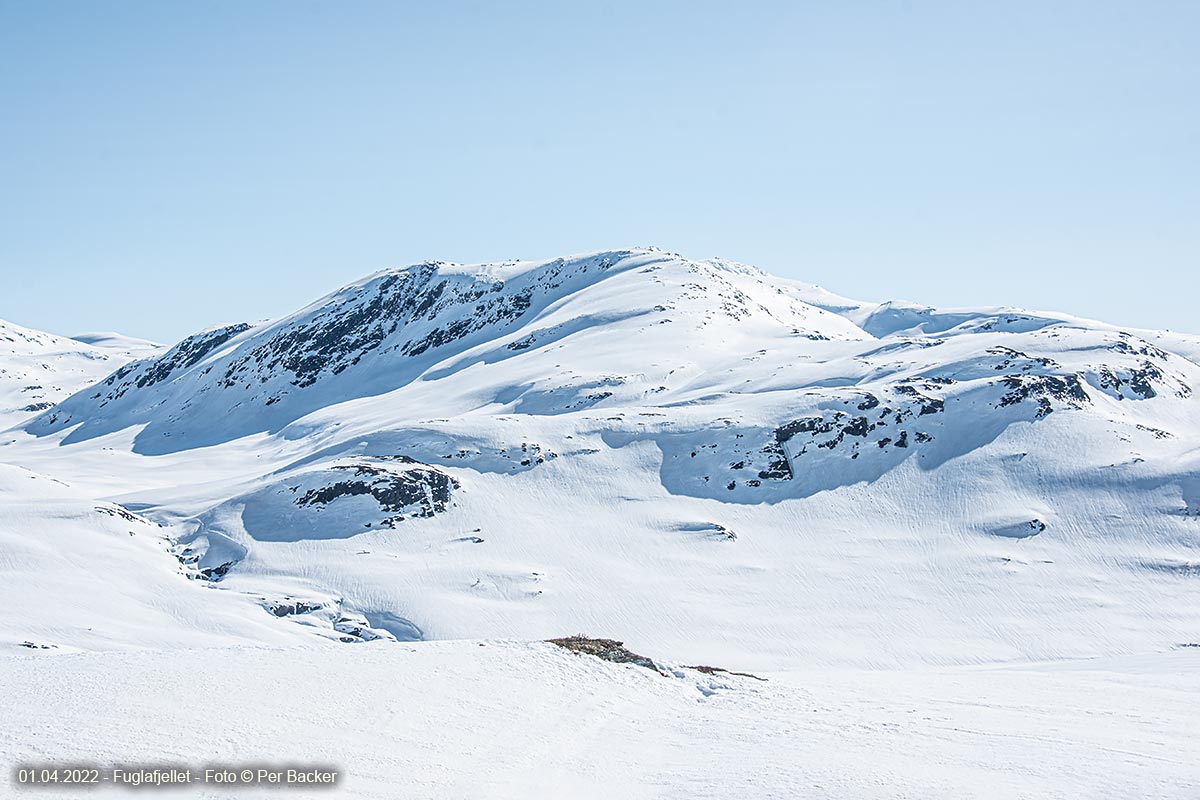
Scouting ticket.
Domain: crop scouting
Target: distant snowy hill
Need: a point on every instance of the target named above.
(694, 456)
(38, 369)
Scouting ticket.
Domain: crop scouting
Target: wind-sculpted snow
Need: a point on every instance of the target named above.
(673, 452)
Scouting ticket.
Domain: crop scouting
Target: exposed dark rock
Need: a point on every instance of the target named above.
(354, 628)
(1017, 358)
(713, 529)
(867, 404)
(216, 573)
(188, 352)
(522, 344)
(1156, 432)
(607, 649)
(1131, 345)
(857, 427)
(778, 468)
(926, 404)
(291, 607)
(932, 407)
(420, 491)
(117, 511)
(503, 308)
(342, 334)
(707, 670)
(1044, 389)
(784, 433)
(1140, 380)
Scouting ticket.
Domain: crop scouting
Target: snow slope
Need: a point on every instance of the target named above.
(83, 574)
(698, 458)
(500, 719)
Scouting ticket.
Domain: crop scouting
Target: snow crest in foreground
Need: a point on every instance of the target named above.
(497, 719)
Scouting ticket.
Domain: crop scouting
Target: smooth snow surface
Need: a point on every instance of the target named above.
(496, 719)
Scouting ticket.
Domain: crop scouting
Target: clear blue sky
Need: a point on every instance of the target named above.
(165, 166)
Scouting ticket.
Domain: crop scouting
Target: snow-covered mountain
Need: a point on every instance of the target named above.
(1001, 508)
(698, 457)
(38, 369)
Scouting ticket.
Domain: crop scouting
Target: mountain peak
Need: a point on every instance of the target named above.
(428, 320)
